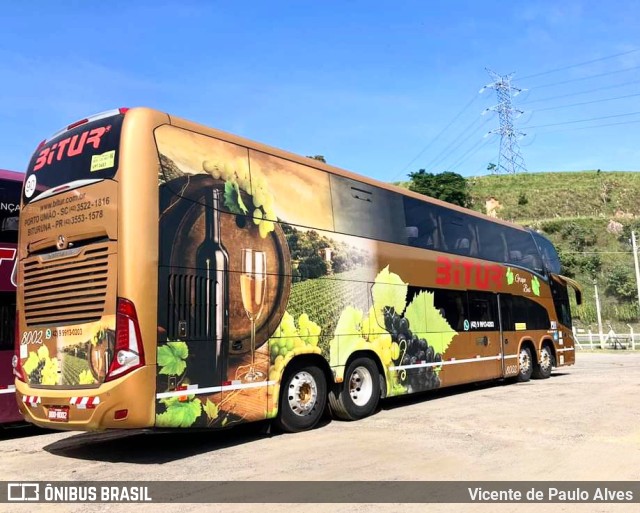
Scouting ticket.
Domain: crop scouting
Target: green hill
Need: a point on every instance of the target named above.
(589, 216)
(534, 196)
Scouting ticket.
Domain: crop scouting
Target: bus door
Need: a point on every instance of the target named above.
(484, 328)
(508, 336)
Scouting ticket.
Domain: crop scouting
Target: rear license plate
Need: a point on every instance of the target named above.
(59, 413)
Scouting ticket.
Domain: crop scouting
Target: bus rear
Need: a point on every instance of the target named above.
(81, 360)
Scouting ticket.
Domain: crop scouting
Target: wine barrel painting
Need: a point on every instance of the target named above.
(184, 213)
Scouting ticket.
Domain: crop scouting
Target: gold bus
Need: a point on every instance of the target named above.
(176, 276)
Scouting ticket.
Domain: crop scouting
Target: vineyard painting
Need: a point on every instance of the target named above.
(326, 292)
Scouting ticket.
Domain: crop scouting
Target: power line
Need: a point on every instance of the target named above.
(587, 103)
(583, 120)
(464, 157)
(580, 92)
(580, 64)
(469, 103)
(444, 154)
(592, 126)
(585, 78)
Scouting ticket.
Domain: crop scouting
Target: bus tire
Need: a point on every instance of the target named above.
(542, 370)
(303, 396)
(525, 365)
(357, 397)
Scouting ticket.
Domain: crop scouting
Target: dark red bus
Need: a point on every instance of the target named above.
(10, 189)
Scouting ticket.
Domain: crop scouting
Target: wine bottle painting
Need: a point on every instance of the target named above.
(253, 286)
(212, 259)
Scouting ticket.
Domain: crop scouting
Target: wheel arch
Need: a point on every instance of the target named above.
(309, 359)
(527, 342)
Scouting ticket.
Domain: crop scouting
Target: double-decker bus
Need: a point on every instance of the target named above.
(10, 189)
(176, 276)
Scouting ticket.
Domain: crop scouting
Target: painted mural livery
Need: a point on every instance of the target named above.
(353, 299)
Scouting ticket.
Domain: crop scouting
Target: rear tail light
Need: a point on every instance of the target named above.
(101, 115)
(78, 123)
(128, 351)
(15, 361)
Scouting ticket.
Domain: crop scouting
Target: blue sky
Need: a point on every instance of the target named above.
(381, 88)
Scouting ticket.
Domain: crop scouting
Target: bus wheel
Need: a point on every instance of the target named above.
(525, 365)
(542, 370)
(303, 396)
(358, 395)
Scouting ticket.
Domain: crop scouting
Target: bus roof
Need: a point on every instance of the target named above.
(5, 174)
(198, 127)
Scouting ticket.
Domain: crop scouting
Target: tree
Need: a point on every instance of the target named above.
(447, 186)
(621, 283)
(317, 157)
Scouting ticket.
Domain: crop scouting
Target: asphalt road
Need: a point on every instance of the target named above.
(581, 424)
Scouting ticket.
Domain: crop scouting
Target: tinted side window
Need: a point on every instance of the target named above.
(7, 319)
(550, 258)
(459, 233)
(529, 312)
(483, 313)
(9, 210)
(422, 224)
(453, 307)
(367, 211)
(523, 250)
(561, 302)
(506, 312)
(493, 244)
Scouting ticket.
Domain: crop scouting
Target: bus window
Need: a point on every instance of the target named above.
(422, 216)
(459, 232)
(493, 245)
(7, 320)
(522, 249)
(550, 259)
(367, 211)
(482, 311)
(532, 314)
(9, 200)
(88, 151)
(561, 302)
(452, 305)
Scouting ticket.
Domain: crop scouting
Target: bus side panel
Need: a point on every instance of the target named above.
(339, 276)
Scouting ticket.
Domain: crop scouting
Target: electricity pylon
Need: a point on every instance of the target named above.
(509, 160)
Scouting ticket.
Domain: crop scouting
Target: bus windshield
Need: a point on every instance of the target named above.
(86, 152)
(549, 254)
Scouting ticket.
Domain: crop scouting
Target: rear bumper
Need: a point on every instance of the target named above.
(94, 408)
